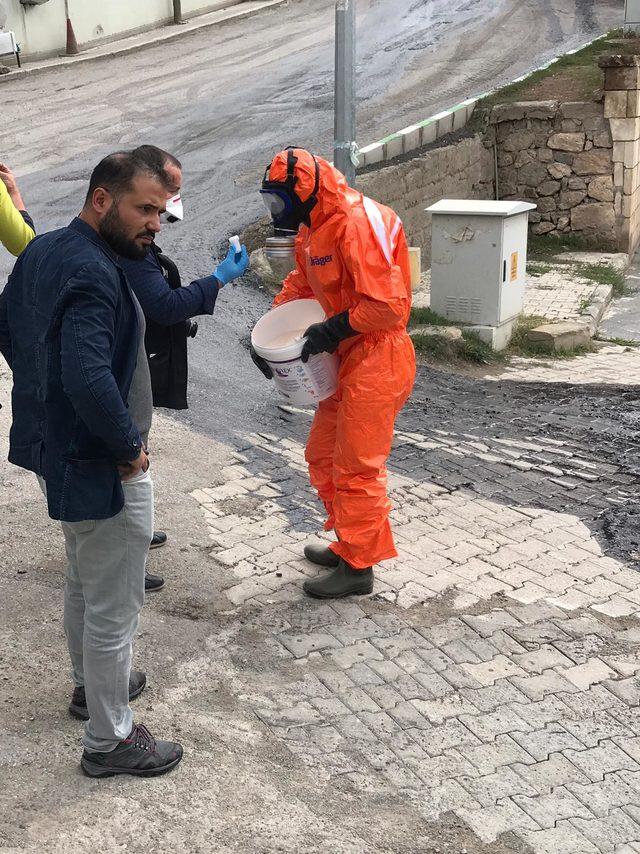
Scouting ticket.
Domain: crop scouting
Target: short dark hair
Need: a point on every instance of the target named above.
(117, 171)
(156, 156)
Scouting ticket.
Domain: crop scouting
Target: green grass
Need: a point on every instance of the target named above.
(467, 349)
(427, 317)
(543, 248)
(585, 302)
(604, 274)
(621, 342)
(538, 270)
(580, 70)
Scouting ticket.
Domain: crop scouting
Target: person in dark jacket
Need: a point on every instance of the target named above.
(71, 332)
(169, 308)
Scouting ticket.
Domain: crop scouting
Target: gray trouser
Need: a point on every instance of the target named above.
(104, 593)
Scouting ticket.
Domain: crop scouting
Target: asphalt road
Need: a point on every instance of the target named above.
(224, 100)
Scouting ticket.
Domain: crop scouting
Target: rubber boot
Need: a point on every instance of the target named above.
(321, 556)
(343, 581)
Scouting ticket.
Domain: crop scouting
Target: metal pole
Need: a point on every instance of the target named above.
(345, 100)
(177, 12)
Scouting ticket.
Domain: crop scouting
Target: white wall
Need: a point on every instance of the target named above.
(41, 30)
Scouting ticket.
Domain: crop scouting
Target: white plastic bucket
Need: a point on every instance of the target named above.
(278, 338)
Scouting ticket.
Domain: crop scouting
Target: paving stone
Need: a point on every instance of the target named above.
(486, 624)
(489, 789)
(627, 690)
(362, 651)
(562, 839)
(607, 833)
(541, 743)
(583, 676)
(503, 720)
(595, 762)
(503, 751)
(439, 710)
(544, 776)
(545, 658)
(547, 810)
(499, 694)
(302, 645)
(436, 739)
(537, 687)
(491, 822)
(592, 730)
(616, 790)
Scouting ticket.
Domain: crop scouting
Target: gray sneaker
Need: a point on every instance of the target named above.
(138, 754)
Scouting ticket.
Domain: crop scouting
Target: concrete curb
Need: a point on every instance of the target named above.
(594, 313)
(435, 127)
(169, 33)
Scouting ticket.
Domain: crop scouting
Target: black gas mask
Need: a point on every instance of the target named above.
(287, 210)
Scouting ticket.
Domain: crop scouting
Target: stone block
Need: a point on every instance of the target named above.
(617, 155)
(618, 174)
(540, 109)
(596, 162)
(429, 132)
(631, 181)
(577, 184)
(542, 228)
(459, 118)
(559, 170)
(505, 159)
(533, 174)
(547, 205)
(597, 219)
(579, 109)
(630, 204)
(631, 154)
(633, 103)
(570, 126)
(519, 140)
(602, 140)
(616, 79)
(567, 141)
(548, 188)
(560, 337)
(523, 158)
(615, 104)
(570, 199)
(506, 113)
(601, 188)
(625, 130)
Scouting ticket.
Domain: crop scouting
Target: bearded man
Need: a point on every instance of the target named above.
(72, 333)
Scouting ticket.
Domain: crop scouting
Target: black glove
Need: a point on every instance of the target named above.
(326, 337)
(261, 365)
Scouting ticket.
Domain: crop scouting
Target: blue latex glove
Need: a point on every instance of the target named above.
(234, 265)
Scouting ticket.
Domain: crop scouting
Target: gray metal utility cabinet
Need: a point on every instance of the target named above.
(478, 264)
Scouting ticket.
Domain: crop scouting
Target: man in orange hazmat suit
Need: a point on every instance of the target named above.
(352, 256)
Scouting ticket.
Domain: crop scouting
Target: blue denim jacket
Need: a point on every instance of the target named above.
(69, 331)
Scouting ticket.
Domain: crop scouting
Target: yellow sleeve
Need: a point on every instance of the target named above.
(15, 234)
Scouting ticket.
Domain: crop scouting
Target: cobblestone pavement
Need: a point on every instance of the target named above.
(555, 290)
(493, 677)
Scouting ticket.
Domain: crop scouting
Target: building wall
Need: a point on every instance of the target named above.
(460, 170)
(41, 30)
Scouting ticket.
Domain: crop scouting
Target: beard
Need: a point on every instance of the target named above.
(112, 231)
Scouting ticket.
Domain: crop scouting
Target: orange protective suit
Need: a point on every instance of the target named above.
(354, 257)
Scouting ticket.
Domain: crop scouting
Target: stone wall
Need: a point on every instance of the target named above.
(560, 157)
(461, 170)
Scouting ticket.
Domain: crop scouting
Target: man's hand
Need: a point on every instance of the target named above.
(129, 470)
(8, 179)
(234, 265)
(326, 337)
